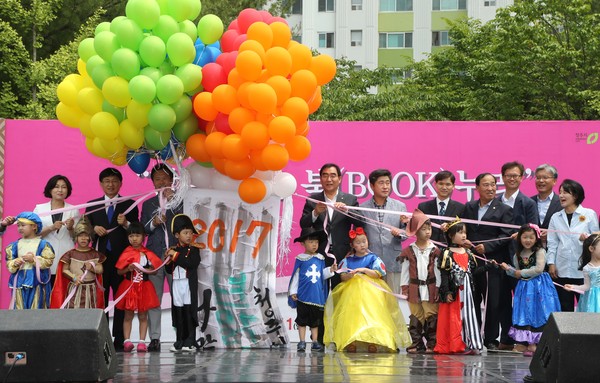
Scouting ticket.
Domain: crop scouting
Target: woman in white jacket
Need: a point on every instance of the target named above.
(57, 228)
(567, 230)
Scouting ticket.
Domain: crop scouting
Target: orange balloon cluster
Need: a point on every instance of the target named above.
(258, 120)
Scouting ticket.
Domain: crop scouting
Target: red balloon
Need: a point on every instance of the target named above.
(213, 75)
(227, 60)
(222, 123)
(265, 16)
(277, 18)
(246, 18)
(233, 25)
(238, 41)
(227, 40)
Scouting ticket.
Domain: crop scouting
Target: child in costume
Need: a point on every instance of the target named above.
(420, 280)
(457, 327)
(589, 263)
(535, 297)
(73, 265)
(23, 258)
(307, 290)
(185, 259)
(138, 291)
(362, 312)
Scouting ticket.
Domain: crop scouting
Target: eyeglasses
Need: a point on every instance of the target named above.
(512, 176)
(326, 176)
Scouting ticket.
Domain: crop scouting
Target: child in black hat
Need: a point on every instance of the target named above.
(308, 289)
(185, 259)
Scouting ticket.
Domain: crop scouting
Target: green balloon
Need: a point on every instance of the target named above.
(183, 9)
(169, 89)
(180, 49)
(153, 73)
(103, 26)
(93, 63)
(144, 12)
(161, 118)
(130, 35)
(115, 22)
(125, 63)
(86, 49)
(142, 89)
(105, 44)
(166, 67)
(100, 73)
(166, 27)
(195, 91)
(119, 113)
(190, 75)
(153, 51)
(182, 108)
(184, 129)
(156, 140)
(206, 164)
(210, 29)
(189, 28)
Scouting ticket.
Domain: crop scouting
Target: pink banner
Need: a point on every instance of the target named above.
(412, 151)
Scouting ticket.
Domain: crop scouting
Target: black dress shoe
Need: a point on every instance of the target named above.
(491, 347)
(154, 345)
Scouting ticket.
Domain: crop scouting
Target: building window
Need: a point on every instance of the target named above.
(356, 38)
(357, 5)
(440, 38)
(326, 5)
(297, 7)
(395, 5)
(395, 40)
(489, 3)
(357, 67)
(326, 40)
(297, 38)
(449, 5)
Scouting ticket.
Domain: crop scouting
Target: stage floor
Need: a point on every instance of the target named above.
(286, 365)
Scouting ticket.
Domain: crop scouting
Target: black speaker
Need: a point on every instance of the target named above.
(568, 349)
(56, 345)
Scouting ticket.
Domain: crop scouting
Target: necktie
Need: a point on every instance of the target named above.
(442, 208)
(109, 213)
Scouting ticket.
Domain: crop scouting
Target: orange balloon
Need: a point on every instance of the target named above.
(278, 61)
(214, 143)
(239, 117)
(282, 129)
(296, 109)
(298, 148)
(255, 135)
(301, 56)
(256, 159)
(275, 157)
(252, 190)
(264, 118)
(233, 148)
(234, 79)
(204, 108)
(262, 98)
(219, 165)
(292, 43)
(303, 129)
(282, 88)
(323, 66)
(249, 65)
(304, 84)
(254, 46)
(243, 94)
(239, 170)
(224, 98)
(281, 34)
(195, 146)
(262, 33)
(264, 76)
(315, 102)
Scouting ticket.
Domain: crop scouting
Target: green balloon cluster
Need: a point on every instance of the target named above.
(136, 78)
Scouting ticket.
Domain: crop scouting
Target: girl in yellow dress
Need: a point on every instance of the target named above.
(362, 312)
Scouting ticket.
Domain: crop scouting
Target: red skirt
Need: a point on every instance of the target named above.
(141, 297)
(449, 329)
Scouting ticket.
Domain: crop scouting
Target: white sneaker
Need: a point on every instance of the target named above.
(173, 349)
(188, 349)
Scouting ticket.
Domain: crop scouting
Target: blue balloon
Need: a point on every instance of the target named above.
(138, 162)
(216, 44)
(206, 54)
(166, 152)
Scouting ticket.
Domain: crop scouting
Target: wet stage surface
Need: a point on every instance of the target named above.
(287, 365)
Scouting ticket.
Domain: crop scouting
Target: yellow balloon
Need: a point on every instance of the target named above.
(68, 115)
(67, 92)
(90, 100)
(116, 90)
(98, 149)
(81, 67)
(104, 125)
(119, 159)
(131, 135)
(76, 79)
(138, 113)
(84, 126)
(113, 146)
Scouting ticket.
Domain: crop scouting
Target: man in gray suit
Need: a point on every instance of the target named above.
(546, 200)
(385, 240)
(158, 228)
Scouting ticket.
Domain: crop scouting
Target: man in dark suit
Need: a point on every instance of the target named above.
(112, 244)
(524, 209)
(546, 200)
(158, 228)
(442, 204)
(497, 285)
